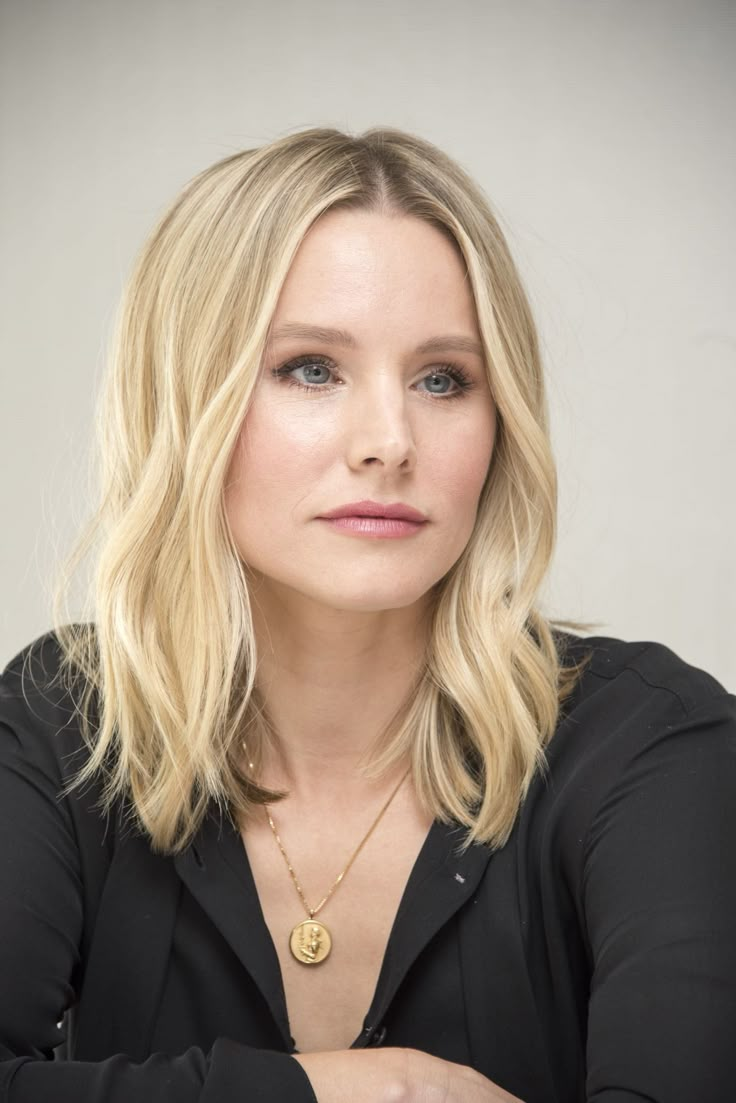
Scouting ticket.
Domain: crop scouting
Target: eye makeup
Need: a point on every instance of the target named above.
(457, 375)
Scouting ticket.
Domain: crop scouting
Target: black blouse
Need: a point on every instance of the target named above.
(592, 958)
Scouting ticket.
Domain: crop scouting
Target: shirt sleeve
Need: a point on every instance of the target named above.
(659, 893)
(41, 926)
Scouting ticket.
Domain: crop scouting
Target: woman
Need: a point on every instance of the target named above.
(317, 805)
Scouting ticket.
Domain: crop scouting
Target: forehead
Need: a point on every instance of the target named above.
(359, 263)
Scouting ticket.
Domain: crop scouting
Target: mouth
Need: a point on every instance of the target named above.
(382, 511)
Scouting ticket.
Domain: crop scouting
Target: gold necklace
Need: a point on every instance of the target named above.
(310, 942)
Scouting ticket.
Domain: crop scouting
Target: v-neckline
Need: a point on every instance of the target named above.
(217, 871)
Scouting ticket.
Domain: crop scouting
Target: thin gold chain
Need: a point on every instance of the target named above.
(314, 911)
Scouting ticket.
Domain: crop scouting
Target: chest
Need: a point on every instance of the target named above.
(327, 1001)
(180, 958)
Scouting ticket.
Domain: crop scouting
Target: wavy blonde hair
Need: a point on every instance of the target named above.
(168, 655)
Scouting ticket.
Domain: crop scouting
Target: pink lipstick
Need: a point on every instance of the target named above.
(376, 519)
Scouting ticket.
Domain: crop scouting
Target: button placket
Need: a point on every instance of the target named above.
(379, 1036)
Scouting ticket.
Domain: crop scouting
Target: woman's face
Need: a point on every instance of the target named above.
(364, 415)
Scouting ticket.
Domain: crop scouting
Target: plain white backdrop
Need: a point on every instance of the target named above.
(602, 132)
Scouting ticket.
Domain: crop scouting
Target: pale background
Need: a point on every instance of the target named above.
(603, 133)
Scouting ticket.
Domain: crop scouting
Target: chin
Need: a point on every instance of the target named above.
(370, 598)
(377, 604)
(371, 602)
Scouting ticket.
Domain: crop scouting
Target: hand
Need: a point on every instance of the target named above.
(395, 1075)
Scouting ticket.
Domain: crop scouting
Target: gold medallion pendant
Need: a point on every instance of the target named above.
(310, 942)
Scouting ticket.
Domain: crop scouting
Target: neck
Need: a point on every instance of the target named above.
(331, 681)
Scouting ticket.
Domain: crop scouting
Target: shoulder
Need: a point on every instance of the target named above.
(633, 673)
(640, 722)
(40, 708)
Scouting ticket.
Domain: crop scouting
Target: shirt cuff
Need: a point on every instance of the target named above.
(241, 1074)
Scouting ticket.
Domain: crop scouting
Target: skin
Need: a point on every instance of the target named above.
(341, 620)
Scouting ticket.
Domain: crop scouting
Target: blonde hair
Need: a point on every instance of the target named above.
(168, 655)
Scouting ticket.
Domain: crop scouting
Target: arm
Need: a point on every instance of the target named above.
(41, 931)
(41, 928)
(395, 1075)
(659, 896)
(229, 1072)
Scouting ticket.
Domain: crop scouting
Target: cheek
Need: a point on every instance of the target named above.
(276, 458)
(460, 462)
(290, 431)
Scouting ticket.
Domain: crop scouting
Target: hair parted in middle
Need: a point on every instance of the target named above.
(168, 654)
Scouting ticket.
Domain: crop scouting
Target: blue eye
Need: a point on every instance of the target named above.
(315, 365)
(311, 367)
(438, 377)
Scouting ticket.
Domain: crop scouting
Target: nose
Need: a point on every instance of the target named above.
(380, 430)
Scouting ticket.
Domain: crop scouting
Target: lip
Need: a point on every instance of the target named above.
(393, 511)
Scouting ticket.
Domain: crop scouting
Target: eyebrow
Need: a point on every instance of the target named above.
(328, 336)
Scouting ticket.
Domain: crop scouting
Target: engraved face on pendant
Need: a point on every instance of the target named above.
(310, 942)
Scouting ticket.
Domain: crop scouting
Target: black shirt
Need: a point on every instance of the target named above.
(592, 958)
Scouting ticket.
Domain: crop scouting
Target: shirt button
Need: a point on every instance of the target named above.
(378, 1037)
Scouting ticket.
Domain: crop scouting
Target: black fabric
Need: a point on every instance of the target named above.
(592, 958)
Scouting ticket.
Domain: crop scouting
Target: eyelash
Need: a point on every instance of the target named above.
(453, 371)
